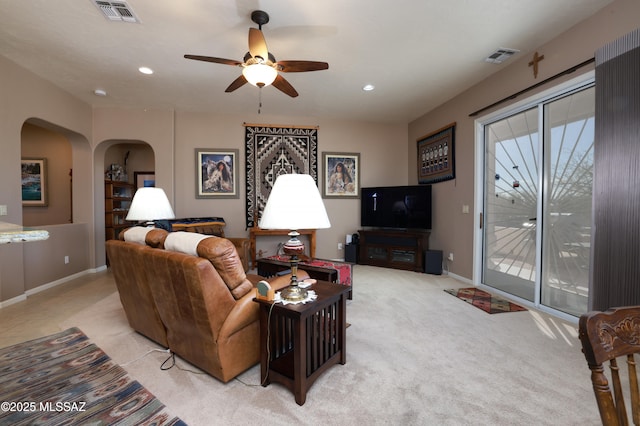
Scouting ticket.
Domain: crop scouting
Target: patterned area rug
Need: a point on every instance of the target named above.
(485, 301)
(66, 379)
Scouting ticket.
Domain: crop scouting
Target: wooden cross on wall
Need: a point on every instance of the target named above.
(534, 63)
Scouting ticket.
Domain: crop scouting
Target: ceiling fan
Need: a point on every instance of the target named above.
(259, 66)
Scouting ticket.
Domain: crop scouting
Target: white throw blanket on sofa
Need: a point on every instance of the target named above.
(184, 242)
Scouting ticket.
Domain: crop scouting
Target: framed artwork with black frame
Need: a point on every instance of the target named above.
(144, 179)
(341, 172)
(34, 182)
(436, 156)
(217, 173)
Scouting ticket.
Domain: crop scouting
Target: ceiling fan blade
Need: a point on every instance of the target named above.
(284, 86)
(212, 59)
(237, 83)
(301, 66)
(257, 44)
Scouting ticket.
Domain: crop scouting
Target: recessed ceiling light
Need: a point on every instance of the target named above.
(145, 70)
(368, 87)
(100, 92)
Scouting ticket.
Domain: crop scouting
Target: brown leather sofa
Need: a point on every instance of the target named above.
(190, 293)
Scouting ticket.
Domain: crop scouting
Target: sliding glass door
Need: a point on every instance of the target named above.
(510, 204)
(538, 165)
(568, 171)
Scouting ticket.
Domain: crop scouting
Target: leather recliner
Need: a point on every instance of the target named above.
(194, 287)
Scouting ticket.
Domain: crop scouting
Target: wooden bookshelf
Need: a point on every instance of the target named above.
(117, 201)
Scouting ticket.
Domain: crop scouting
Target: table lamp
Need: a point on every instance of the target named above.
(149, 204)
(294, 203)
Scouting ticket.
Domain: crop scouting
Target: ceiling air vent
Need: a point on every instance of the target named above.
(501, 55)
(116, 10)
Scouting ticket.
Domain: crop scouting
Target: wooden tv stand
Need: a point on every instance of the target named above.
(394, 248)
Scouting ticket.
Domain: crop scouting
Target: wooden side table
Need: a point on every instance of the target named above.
(299, 342)
(255, 231)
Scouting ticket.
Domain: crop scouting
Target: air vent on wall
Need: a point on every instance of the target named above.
(116, 10)
(501, 55)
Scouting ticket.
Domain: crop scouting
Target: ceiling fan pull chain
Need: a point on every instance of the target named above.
(259, 99)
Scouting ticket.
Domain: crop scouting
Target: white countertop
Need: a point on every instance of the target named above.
(12, 233)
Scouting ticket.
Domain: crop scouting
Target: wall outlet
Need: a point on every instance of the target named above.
(66, 260)
(339, 246)
(3, 210)
(450, 257)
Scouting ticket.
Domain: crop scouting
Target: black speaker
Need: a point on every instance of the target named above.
(433, 262)
(351, 253)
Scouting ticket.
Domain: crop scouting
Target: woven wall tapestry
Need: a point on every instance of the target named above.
(272, 151)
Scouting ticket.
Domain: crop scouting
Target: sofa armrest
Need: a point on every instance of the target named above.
(244, 313)
(242, 247)
(245, 310)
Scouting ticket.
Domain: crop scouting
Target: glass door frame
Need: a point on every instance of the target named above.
(585, 80)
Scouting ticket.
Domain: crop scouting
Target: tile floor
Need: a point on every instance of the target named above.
(42, 312)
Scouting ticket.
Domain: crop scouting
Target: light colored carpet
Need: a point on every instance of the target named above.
(415, 356)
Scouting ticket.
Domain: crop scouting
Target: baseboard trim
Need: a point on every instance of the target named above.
(43, 287)
(13, 300)
(56, 283)
(460, 278)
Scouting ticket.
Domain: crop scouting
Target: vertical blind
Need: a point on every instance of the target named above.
(615, 272)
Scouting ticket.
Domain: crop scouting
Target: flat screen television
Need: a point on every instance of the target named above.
(396, 207)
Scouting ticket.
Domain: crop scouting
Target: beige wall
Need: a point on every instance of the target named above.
(26, 97)
(45, 260)
(454, 231)
(117, 126)
(382, 152)
(388, 155)
(174, 138)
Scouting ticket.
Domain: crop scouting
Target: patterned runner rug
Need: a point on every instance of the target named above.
(66, 379)
(485, 301)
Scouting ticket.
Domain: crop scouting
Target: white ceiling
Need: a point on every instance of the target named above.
(418, 53)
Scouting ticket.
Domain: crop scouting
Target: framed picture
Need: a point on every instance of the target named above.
(341, 175)
(436, 155)
(34, 182)
(217, 173)
(144, 179)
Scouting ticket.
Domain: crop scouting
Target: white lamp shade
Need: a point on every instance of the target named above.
(150, 203)
(259, 74)
(294, 203)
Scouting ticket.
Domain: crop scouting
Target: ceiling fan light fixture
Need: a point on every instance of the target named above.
(259, 66)
(259, 75)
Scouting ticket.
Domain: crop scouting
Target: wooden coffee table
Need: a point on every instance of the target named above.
(299, 342)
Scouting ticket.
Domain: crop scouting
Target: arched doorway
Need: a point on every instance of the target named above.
(51, 152)
(128, 157)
